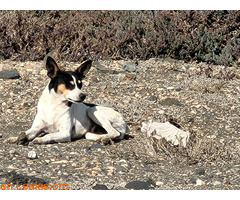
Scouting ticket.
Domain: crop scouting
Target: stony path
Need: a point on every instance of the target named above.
(200, 98)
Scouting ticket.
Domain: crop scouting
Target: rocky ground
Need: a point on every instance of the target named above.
(200, 98)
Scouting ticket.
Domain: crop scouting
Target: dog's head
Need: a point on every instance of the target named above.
(68, 84)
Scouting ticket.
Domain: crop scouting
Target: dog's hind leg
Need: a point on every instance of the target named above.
(100, 118)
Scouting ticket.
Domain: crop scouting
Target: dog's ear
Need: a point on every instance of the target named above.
(84, 68)
(51, 67)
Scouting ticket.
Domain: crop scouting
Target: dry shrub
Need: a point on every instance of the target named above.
(210, 36)
(198, 150)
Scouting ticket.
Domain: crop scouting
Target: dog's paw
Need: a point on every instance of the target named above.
(37, 140)
(22, 139)
(11, 140)
(106, 141)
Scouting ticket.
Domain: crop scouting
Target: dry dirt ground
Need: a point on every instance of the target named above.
(202, 99)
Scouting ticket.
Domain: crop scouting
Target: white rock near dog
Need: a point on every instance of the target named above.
(166, 130)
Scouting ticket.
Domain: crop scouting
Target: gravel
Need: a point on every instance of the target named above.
(204, 102)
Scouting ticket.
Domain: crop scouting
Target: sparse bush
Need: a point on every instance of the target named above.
(210, 36)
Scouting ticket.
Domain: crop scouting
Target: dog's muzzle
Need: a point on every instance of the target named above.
(81, 98)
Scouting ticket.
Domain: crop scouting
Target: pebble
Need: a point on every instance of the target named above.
(200, 171)
(199, 182)
(9, 74)
(74, 164)
(13, 152)
(216, 183)
(170, 102)
(43, 72)
(161, 112)
(160, 89)
(47, 161)
(55, 148)
(110, 170)
(121, 168)
(128, 66)
(96, 145)
(32, 154)
(153, 98)
(159, 183)
(1, 135)
(170, 88)
(100, 67)
(178, 89)
(60, 162)
(138, 185)
(100, 187)
(208, 176)
(193, 180)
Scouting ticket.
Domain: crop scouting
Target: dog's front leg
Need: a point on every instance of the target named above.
(53, 137)
(37, 127)
(63, 133)
(23, 138)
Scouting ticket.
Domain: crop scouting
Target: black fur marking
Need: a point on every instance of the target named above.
(90, 104)
(69, 104)
(62, 77)
(77, 77)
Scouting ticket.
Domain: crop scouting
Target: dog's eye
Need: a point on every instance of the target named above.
(79, 84)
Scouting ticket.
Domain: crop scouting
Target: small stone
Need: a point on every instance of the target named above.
(60, 162)
(200, 171)
(138, 185)
(43, 72)
(128, 66)
(160, 89)
(215, 183)
(32, 154)
(170, 102)
(152, 98)
(178, 89)
(47, 161)
(100, 187)
(161, 112)
(1, 135)
(96, 145)
(159, 183)
(170, 88)
(199, 182)
(13, 152)
(100, 67)
(193, 180)
(208, 176)
(9, 74)
(74, 164)
(110, 170)
(55, 148)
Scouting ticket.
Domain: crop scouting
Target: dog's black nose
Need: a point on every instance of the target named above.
(82, 96)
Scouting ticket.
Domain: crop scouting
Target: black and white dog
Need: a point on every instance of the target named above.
(63, 116)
